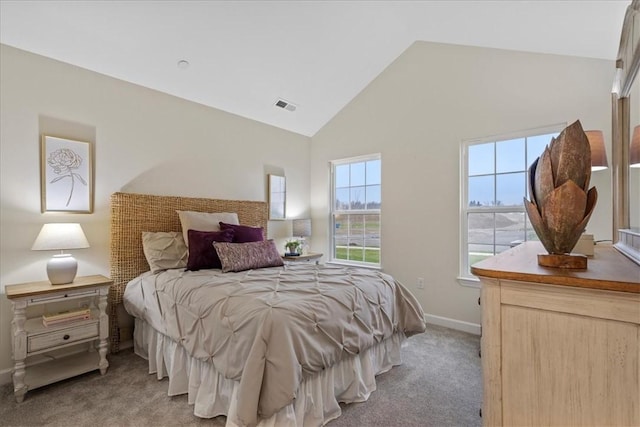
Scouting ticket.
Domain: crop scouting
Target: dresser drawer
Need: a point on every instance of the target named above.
(62, 336)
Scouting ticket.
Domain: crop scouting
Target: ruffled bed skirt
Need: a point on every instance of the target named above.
(351, 380)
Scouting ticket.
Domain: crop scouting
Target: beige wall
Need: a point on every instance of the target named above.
(145, 142)
(416, 113)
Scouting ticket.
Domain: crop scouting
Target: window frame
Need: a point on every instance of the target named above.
(465, 278)
(333, 212)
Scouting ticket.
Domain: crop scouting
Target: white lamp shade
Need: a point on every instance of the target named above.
(58, 236)
(301, 227)
(598, 152)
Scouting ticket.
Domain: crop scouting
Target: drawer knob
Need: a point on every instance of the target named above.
(66, 337)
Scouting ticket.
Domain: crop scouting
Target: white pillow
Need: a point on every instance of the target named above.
(164, 250)
(204, 221)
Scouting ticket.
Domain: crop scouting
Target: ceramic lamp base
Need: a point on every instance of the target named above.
(62, 269)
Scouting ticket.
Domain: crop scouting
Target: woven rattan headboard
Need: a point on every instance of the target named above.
(131, 214)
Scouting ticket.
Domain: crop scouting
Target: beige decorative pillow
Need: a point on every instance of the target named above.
(164, 250)
(247, 256)
(204, 221)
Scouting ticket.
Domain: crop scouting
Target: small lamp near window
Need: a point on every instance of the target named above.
(61, 268)
(301, 228)
(634, 149)
(598, 152)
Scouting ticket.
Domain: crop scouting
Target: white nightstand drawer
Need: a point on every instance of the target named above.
(63, 336)
(71, 294)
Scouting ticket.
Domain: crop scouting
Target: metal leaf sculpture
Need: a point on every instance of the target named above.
(560, 205)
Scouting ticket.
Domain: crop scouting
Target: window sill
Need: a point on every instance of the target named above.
(469, 282)
(349, 264)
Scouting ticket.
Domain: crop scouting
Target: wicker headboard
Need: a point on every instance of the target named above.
(131, 214)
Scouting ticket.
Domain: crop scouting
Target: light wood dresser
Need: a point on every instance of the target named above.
(560, 347)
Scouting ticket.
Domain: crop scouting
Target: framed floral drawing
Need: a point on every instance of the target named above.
(66, 175)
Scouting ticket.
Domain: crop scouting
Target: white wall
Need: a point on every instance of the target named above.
(416, 113)
(145, 142)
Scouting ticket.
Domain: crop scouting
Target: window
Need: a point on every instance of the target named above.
(494, 183)
(355, 210)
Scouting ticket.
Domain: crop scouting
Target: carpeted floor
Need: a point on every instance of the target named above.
(438, 384)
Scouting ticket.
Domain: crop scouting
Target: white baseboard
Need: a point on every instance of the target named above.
(472, 328)
(5, 376)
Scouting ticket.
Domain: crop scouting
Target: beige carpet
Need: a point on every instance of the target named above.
(438, 384)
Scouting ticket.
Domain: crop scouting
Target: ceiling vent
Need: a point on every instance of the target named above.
(281, 103)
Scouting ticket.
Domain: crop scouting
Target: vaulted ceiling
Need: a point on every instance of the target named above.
(318, 55)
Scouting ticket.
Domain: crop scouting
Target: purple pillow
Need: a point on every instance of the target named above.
(202, 254)
(243, 233)
(248, 256)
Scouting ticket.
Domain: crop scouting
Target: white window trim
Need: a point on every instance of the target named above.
(354, 264)
(465, 278)
(333, 212)
(469, 282)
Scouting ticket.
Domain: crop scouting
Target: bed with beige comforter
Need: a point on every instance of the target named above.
(269, 329)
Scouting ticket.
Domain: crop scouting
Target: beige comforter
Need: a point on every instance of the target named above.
(269, 328)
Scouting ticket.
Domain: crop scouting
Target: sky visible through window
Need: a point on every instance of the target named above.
(497, 170)
(358, 185)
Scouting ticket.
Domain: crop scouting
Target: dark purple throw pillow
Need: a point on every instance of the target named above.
(243, 233)
(202, 254)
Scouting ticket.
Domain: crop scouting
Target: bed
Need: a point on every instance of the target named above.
(280, 345)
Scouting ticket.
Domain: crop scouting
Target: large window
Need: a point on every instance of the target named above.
(355, 210)
(494, 183)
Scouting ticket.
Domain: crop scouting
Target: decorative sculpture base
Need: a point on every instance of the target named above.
(574, 261)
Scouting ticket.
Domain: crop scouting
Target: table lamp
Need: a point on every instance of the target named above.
(62, 267)
(634, 149)
(598, 152)
(301, 228)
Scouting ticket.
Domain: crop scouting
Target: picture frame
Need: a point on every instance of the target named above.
(277, 197)
(66, 175)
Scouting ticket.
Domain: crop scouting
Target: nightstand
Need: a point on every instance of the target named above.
(43, 355)
(303, 258)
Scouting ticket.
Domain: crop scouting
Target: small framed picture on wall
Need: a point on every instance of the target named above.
(66, 175)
